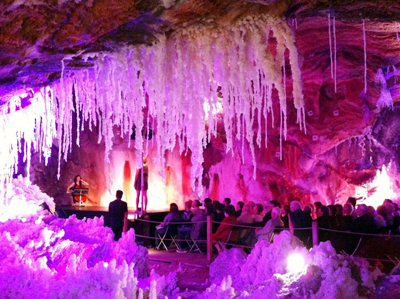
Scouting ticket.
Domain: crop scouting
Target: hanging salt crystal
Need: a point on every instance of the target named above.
(335, 50)
(397, 32)
(365, 58)
(330, 43)
(200, 60)
(385, 98)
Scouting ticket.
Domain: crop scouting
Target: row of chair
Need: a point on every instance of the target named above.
(198, 234)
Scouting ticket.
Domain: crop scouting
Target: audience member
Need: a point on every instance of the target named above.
(225, 231)
(227, 201)
(258, 215)
(207, 200)
(347, 219)
(267, 216)
(210, 210)
(364, 223)
(285, 217)
(333, 221)
(219, 215)
(187, 214)
(353, 202)
(247, 216)
(299, 219)
(198, 221)
(239, 208)
(267, 231)
(317, 206)
(172, 216)
(196, 207)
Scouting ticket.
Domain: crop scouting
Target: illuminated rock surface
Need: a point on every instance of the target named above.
(349, 134)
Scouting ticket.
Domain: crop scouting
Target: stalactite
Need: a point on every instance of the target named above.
(173, 79)
(335, 50)
(330, 43)
(365, 58)
(397, 31)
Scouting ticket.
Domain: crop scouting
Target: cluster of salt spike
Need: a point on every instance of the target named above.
(174, 78)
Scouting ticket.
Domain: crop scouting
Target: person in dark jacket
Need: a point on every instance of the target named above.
(299, 219)
(118, 213)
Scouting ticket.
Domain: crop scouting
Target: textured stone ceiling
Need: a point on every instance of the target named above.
(348, 136)
(35, 35)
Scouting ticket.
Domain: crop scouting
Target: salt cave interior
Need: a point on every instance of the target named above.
(255, 100)
(252, 100)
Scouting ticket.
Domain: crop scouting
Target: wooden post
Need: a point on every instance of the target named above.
(315, 232)
(209, 233)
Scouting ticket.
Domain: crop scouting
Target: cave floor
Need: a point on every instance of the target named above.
(192, 268)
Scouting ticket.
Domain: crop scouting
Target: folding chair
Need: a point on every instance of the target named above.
(195, 236)
(170, 231)
(173, 235)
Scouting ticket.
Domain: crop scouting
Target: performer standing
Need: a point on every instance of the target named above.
(139, 186)
(77, 184)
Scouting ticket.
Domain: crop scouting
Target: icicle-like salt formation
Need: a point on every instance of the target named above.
(330, 43)
(385, 98)
(397, 31)
(365, 58)
(174, 79)
(24, 129)
(334, 46)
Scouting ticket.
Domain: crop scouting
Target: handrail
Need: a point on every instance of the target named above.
(357, 233)
(176, 222)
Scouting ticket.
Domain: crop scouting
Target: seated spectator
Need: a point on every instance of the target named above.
(207, 200)
(353, 202)
(363, 223)
(227, 201)
(317, 206)
(247, 216)
(299, 219)
(380, 223)
(252, 204)
(347, 219)
(371, 211)
(383, 212)
(339, 215)
(267, 216)
(324, 221)
(185, 231)
(172, 216)
(285, 217)
(219, 215)
(389, 216)
(215, 203)
(396, 219)
(258, 215)
(332, 217)
(323, 217)
(225, 231)
(267, 231)
(308, 209)
(209, 209)
(196, 208)
(187, 214)
(239, 208)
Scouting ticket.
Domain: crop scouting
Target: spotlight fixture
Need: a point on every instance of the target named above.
(295, 263)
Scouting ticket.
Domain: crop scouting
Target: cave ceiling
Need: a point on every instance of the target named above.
(41, 38)
(37, 35)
